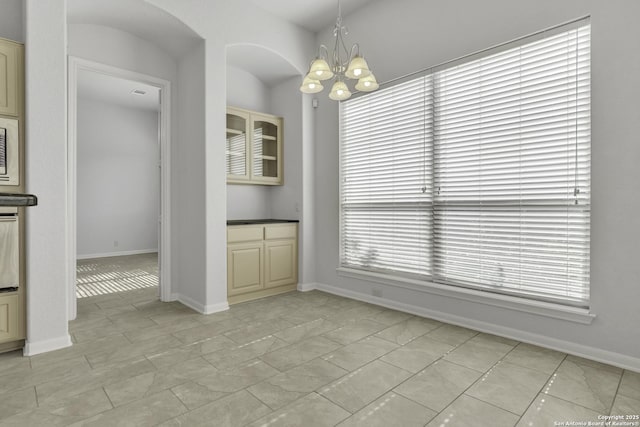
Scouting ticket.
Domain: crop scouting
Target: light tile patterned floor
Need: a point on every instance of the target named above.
(299, 359)
(100, 276)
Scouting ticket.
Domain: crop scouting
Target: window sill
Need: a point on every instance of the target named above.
(540, 308)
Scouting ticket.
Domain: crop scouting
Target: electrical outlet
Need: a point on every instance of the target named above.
(115, 243)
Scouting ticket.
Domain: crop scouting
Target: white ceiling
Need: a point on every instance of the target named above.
(114, 90)
(138, 18)
(313, 15)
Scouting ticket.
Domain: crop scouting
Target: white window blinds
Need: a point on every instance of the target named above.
(477, 174)
(386, 193)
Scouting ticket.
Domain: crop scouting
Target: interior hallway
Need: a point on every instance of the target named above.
(298, 359)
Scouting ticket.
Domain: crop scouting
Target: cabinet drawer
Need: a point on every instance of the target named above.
(244, 233)
(280, 231)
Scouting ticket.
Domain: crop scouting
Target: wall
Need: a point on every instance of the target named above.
(420, 34)
(118, 180)
(46, 175)
(286, 102)
(287, 200)
(11, 20)
(190, 183)
(244, 90)
(120, 49)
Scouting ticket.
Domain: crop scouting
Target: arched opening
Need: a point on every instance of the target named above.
(141, 43)
(260, 79)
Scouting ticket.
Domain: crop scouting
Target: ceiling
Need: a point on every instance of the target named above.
(313, 15)
(114, 90)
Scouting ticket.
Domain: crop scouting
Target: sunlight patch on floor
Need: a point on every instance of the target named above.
(103, 276)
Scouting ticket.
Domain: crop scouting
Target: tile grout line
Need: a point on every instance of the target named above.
(412, 374)
(543, 386)
(615, 396)
(104, 390)
(537, 393)
(472, 384)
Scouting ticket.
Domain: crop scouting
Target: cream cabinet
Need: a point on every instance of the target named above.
(12, 300)
(10, 77)
(262, 260)
(9, 318)
(253, 148)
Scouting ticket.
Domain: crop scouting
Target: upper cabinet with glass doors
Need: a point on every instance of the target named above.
(254, 148)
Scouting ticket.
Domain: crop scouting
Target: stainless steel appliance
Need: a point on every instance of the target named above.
(9, 152)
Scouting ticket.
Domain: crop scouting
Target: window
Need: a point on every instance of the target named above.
(476, 174)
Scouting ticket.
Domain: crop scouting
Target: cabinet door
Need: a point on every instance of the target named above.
(266, 149)
(237, 149)
(281, 263)
(10, 58)
(244, 267)
(8, 318)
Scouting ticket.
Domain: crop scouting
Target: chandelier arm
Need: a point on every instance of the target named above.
(355, 51)
(326, 52)
(337, 63)
(347, 53)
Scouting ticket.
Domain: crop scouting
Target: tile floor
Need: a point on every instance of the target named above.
(100, 276)
(299, 359)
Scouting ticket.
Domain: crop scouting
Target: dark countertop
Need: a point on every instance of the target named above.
(258, 221)
(18, 199)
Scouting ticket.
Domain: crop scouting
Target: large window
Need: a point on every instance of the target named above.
(476, 173)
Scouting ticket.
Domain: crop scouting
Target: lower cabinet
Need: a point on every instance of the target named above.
(281, 266)
(9, 318)
(262, 260)
(245, 265)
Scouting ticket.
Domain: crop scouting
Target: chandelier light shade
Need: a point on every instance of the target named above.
(357, 68)
(320, 70)
(339, 91)
(341, 64)
(310, 85)
(367, 84)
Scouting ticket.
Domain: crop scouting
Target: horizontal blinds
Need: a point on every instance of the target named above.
(511, 211)
(476, 175)
(236, 154)
(386, 197)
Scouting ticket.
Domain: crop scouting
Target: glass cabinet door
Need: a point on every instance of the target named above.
(237, 149)
(266, 149)
(253, 148)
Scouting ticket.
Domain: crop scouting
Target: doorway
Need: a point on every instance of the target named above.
(117, 256)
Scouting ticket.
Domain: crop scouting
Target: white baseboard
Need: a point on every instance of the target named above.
(597, 354)
(32, 348)
(120, 253)
(197, 306)
(306, 287)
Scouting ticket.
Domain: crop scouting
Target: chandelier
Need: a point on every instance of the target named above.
(341, 65)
